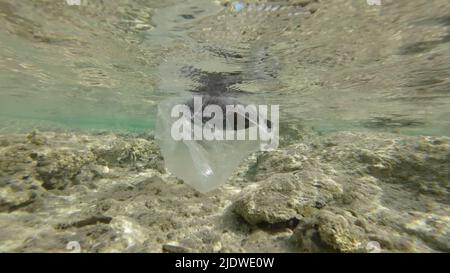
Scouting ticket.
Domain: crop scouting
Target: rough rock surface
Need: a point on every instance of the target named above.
(338, 193)
(348, 189)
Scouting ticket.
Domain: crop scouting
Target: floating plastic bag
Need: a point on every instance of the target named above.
(203, 164)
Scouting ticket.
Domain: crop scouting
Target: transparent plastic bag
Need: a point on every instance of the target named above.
(203, 164)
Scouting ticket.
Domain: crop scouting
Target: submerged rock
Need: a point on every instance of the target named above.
(347, 189)
(331, 231)
(344, 192)
(13, 197)
(58, 168)
(284, 197)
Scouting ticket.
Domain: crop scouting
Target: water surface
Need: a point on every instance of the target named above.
(330, 65)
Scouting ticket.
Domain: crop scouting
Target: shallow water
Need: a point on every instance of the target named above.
(332, 65)
(346, 75)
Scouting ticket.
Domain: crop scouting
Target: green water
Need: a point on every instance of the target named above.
(336, 65)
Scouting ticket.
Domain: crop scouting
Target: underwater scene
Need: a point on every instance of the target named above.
(219, 126)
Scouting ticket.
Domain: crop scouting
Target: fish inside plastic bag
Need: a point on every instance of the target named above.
(203, 164)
